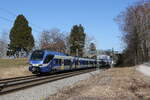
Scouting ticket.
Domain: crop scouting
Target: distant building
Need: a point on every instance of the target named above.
(103, 57)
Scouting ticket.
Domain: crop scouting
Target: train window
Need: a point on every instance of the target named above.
(101, 62)
(67, 62)
(48, 58)
(91, 62)
(58, 61)
(95, 62)
(83, 62)
(86, 62)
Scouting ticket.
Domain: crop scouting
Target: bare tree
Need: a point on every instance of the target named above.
(67, 44)
(135, 25)
(88, 41)
(53, 40)
(3, 44)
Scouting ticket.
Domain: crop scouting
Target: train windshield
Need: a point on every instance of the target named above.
(48, 58)
(37, 55)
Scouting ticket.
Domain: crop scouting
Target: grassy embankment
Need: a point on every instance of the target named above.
(13, 67)
(7, 63)
(113, 84)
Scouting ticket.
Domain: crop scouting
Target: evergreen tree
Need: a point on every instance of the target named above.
(21, 38)
(77, 40)
(92, 48)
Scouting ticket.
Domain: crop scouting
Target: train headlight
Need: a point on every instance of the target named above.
(39, 65)
(36, 65)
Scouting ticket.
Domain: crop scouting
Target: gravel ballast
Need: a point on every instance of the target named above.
(43, 91)
(113, 84)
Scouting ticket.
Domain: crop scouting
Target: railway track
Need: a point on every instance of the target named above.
(16, 79)
(13, 84)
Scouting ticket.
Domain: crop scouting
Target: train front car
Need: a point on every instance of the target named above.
(40, 62)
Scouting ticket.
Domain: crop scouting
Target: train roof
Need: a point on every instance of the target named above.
(63, 55)
(52, 52)
(55, 53)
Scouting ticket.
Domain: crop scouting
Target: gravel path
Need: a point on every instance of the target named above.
(43, 91)
(144, 68)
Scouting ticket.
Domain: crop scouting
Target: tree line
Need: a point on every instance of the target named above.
(23, 42)
(75, 43)
(135, 25)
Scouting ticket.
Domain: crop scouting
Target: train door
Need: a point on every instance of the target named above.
(76, 63)
(62, 64)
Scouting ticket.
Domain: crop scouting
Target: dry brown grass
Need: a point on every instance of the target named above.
(113, 84)
(14, 67)
(18, 62)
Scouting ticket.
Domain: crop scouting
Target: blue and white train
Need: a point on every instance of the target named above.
(43, 61)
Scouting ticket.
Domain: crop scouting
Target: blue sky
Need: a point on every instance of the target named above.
(97, 17)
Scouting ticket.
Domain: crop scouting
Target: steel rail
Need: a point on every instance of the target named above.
(7, 80)
(16, 79)
(12, 86)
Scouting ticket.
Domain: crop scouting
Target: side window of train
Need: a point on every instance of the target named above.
(92, 62)
(95, 62)
(67, 62)
(58, 61)
(86, 62)
(82, 62)
(48, 58)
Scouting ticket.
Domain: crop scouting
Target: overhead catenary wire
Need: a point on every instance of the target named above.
(9, 20)
(8, 12)
(6, 19)
(36, 27)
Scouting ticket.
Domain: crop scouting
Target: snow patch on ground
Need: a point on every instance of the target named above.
(144, 68)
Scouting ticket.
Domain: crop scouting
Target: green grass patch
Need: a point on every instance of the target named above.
(18, 62)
